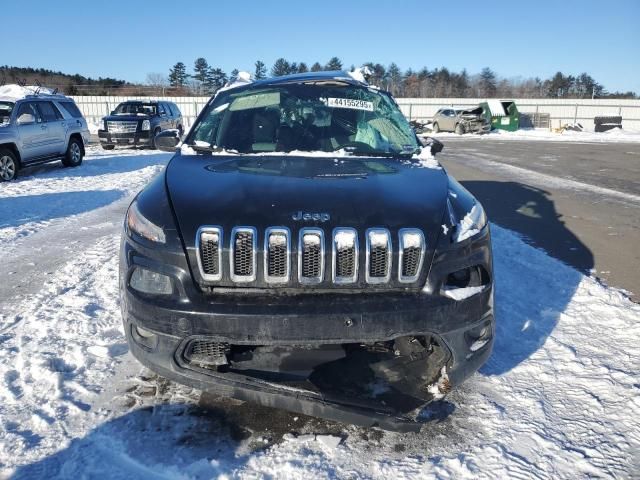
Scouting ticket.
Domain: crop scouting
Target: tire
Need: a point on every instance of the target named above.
(435, 128)
(108, 147)
(9, 165)
(152, 146)
(460, 130)
(73, 157)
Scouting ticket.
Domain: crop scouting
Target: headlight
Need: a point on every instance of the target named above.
(138, 224)
(472, 223)
(146, 125)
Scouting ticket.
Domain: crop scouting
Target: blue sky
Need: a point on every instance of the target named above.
(128, 39)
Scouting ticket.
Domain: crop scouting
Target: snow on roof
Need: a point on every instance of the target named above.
(496, 107)
(243, 78)
(15, 92)
(358, 74)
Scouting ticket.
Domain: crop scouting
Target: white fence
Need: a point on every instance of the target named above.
(561, 111)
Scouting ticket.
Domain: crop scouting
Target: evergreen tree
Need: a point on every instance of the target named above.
(178, 75)
(201, 69)
(316, 67)
(215, 79)
(334, 64)
(233, 76)
(394, 78)
(487, 83)
(280, 68)
(261, 71)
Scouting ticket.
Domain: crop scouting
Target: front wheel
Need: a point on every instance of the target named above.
(435, 128)
(152, 145)
(108, 147)
(460, 130)
(73, 157)
(8, 165)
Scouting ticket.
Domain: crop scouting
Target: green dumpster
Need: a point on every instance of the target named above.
(501, 114)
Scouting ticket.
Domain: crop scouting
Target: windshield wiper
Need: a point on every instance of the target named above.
(202, 148)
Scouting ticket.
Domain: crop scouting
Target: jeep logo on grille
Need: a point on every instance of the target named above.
(306, 216)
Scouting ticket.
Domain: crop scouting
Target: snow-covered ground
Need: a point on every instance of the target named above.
(559, 398)
(615, 135)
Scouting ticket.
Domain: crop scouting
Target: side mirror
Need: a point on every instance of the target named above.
(168, 140)
(26, 119)
(434, 145)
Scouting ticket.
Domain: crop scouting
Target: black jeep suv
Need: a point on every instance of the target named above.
(136, 123)
(303, 250)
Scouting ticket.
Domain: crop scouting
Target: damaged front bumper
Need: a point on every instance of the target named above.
(366, 359)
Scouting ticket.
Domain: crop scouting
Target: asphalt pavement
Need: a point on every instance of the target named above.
(578, 201)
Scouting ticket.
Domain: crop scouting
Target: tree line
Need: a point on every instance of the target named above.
(205, 79)
(425, 83)
(65, 83)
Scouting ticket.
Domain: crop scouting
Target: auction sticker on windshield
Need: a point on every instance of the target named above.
(350, 103)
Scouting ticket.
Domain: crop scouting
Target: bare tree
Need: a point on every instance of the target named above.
(157, 80)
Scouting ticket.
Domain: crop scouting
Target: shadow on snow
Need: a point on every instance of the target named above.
(532, 289)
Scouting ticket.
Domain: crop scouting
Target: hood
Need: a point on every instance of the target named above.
(263, 191)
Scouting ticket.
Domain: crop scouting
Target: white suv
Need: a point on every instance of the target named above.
(37, 129)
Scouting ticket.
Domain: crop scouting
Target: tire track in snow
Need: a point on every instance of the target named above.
(55, 361)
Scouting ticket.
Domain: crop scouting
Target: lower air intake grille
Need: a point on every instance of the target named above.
(207, 353)
(209, 348)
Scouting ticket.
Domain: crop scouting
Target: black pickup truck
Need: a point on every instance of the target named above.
(136, 123)
(303, 250)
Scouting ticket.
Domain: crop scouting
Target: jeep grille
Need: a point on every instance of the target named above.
(312, 256)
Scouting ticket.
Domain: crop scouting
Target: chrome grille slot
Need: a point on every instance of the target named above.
(345, 255)
(209, 252)
(121, 126)
(242, 254)
(277, 250)
(311, 256)
(378, 255)
(412, 247)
